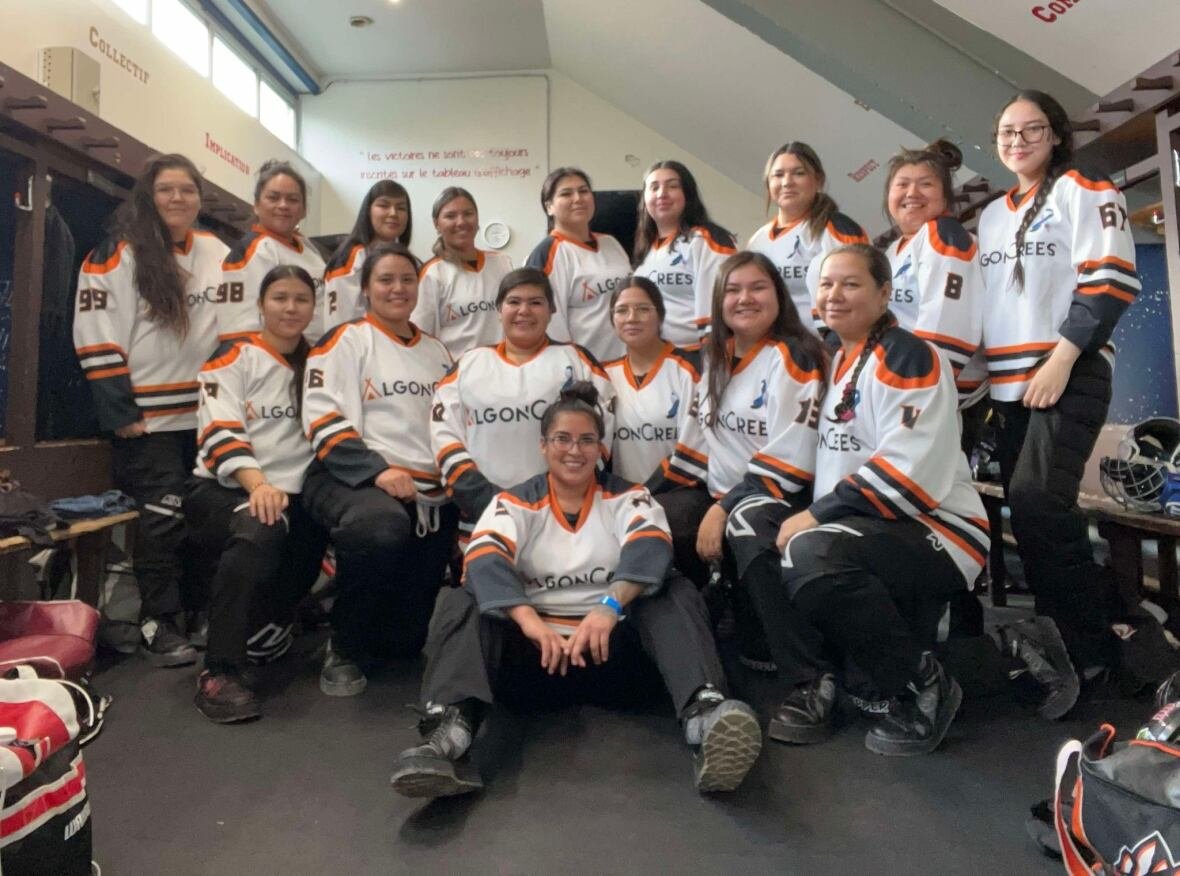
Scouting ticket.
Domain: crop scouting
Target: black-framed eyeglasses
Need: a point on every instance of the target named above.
(1030, 134)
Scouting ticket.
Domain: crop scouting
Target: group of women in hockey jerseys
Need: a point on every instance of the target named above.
(778, 417)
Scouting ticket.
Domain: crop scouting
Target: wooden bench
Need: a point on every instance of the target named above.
(1125, 531)
(88, 539)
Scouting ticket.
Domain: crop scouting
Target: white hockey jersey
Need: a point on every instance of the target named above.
(685, 269)
(343, 299)
(367, 403)
(485, 427)
(1079, 276)
(248, 417)
(138, 369)
(761, 438)
(525, 551)
(938, 295)
(246, 264)
(797, 255)
(898, 456)
(651, 414)
(583, 276)
(457, 303)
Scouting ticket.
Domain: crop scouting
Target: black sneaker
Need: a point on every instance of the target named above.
(805, 716)
(163, 645)
(341, 676)
(727, 739)
(1038, 645)
(917, 722)
(224, 699)
(439, 766)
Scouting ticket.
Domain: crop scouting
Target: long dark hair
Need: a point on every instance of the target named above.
(787, 326)
(580, 397)
(159, 280)
(450, 193)
(549, 188)
(941, 156)
(823, 207)
(297, 358)
(694, 213)
(362, 233)
(1059, 161)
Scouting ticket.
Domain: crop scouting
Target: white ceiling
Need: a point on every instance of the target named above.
(412, 36)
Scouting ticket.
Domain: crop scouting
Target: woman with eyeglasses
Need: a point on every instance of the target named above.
(583, 266)
(570, 592)
(385, 216)
(655, 385)
(280, 204)
(486, 408)
(1059, 269)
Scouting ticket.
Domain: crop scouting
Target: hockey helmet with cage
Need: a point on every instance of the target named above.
(1149, 452)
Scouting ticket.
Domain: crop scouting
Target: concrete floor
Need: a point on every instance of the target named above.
(584, 790)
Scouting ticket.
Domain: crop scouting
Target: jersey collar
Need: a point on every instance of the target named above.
(751, 354)
(291, 243)
(777, 231)
(502, 351)
(1010, 200)
(592, 245)
(651, 372)
(376, 323)
(583, 512)
(187, 246)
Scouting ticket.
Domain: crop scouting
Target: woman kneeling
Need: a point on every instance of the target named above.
(579, 565)
(896, 527)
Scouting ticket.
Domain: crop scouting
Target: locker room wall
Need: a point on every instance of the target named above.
(176, 110)
(349, 120)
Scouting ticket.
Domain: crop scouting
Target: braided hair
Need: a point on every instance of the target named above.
(881, 272)
(1059, 161)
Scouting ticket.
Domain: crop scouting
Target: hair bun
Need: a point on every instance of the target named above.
(947, 152)
(579, 390)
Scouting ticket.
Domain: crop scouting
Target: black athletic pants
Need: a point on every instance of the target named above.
(794, 643)
(152, 469)
(468, 654)
(261, 571)
(388, 575)
(875, 589)
(685, 507)
(1042, 457)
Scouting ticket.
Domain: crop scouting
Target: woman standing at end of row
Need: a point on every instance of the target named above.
(384, 217)
(243, 500)
(583, 267)
(374, 485)
(806, 226)
(144, 324)
(679, 249)
(457, 288)
(1059, 266)
(280, 203)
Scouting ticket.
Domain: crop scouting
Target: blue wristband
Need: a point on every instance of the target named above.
(613, 603)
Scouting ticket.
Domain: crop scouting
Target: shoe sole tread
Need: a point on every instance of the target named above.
(423, 777)
(728, 751)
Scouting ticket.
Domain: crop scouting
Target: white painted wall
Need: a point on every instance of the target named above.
(175, 110)
(347, 131)
(1099, 43)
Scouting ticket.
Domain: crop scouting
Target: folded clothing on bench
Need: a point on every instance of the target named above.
(103, 505)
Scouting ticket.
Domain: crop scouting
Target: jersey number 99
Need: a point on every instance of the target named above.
(92, 299)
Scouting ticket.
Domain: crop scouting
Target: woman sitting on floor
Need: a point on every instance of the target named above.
(568, 574)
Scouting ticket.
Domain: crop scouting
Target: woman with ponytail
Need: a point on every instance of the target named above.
(144, 323)
(243, 500)
(384, 217)
(457, 288)
(555, 565)
(895, 526)
(806, 225)
(1059, 269)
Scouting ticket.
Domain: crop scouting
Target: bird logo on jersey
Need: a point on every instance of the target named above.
(798, 249)
(436, 413)
(569, 377)
(904, 269)
(761, 399)
(675, 406)
(1042, 220)
(1150, 855)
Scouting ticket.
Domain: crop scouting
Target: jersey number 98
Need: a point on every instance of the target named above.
(234, 292)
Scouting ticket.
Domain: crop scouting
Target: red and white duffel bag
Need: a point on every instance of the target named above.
(44, 809)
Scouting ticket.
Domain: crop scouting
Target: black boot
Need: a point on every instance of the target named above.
(163, 645)
(805, 716)
(917, 721)
(439, 766)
